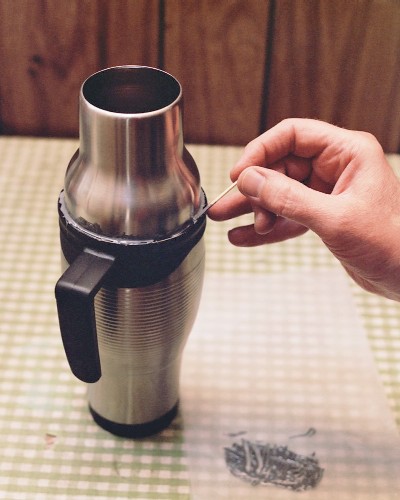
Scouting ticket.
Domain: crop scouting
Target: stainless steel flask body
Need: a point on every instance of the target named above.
(141, 335)
(133, 250)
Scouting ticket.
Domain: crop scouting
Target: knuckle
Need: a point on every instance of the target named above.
(255, 149)
(368, 142)
(288, 122)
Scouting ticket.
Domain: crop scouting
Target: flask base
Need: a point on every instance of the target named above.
(135, 431)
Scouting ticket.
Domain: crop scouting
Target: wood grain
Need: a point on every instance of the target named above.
(49, 48)
(338, 61)
(217, 51)
(131, 32)
(244, 64)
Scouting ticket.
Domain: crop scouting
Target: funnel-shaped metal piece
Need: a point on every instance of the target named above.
(132, 176)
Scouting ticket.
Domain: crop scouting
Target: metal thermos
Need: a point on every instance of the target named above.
(132, 248)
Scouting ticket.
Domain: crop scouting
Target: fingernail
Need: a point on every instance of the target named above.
(251, 182)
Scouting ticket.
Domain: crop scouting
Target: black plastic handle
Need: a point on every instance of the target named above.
(75, 292)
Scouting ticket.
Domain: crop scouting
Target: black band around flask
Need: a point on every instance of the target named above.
(137, 263)
(135, 431)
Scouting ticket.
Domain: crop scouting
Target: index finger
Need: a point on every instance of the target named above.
(304, 138)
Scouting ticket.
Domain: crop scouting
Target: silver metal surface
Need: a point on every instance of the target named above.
(132, 175)
(141, 336)
(214, 201)
(133, 182)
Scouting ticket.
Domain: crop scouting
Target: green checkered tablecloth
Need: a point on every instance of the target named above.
(49, 446)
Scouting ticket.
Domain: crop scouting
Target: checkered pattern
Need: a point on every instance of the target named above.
(50, 447)
(292, 356)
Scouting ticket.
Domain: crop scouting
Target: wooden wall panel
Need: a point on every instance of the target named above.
(338, 61)
(217, 50)
(48, 48)
(244, 64)
(131, 32)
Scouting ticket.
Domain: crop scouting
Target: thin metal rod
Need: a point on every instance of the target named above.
(214, 201)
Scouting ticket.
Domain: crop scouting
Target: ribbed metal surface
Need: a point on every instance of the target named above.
(141, 336)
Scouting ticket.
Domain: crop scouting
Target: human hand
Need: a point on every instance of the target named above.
(306, 174)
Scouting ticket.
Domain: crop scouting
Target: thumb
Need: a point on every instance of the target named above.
(288, 198)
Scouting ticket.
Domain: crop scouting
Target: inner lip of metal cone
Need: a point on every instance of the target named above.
(119, 90)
